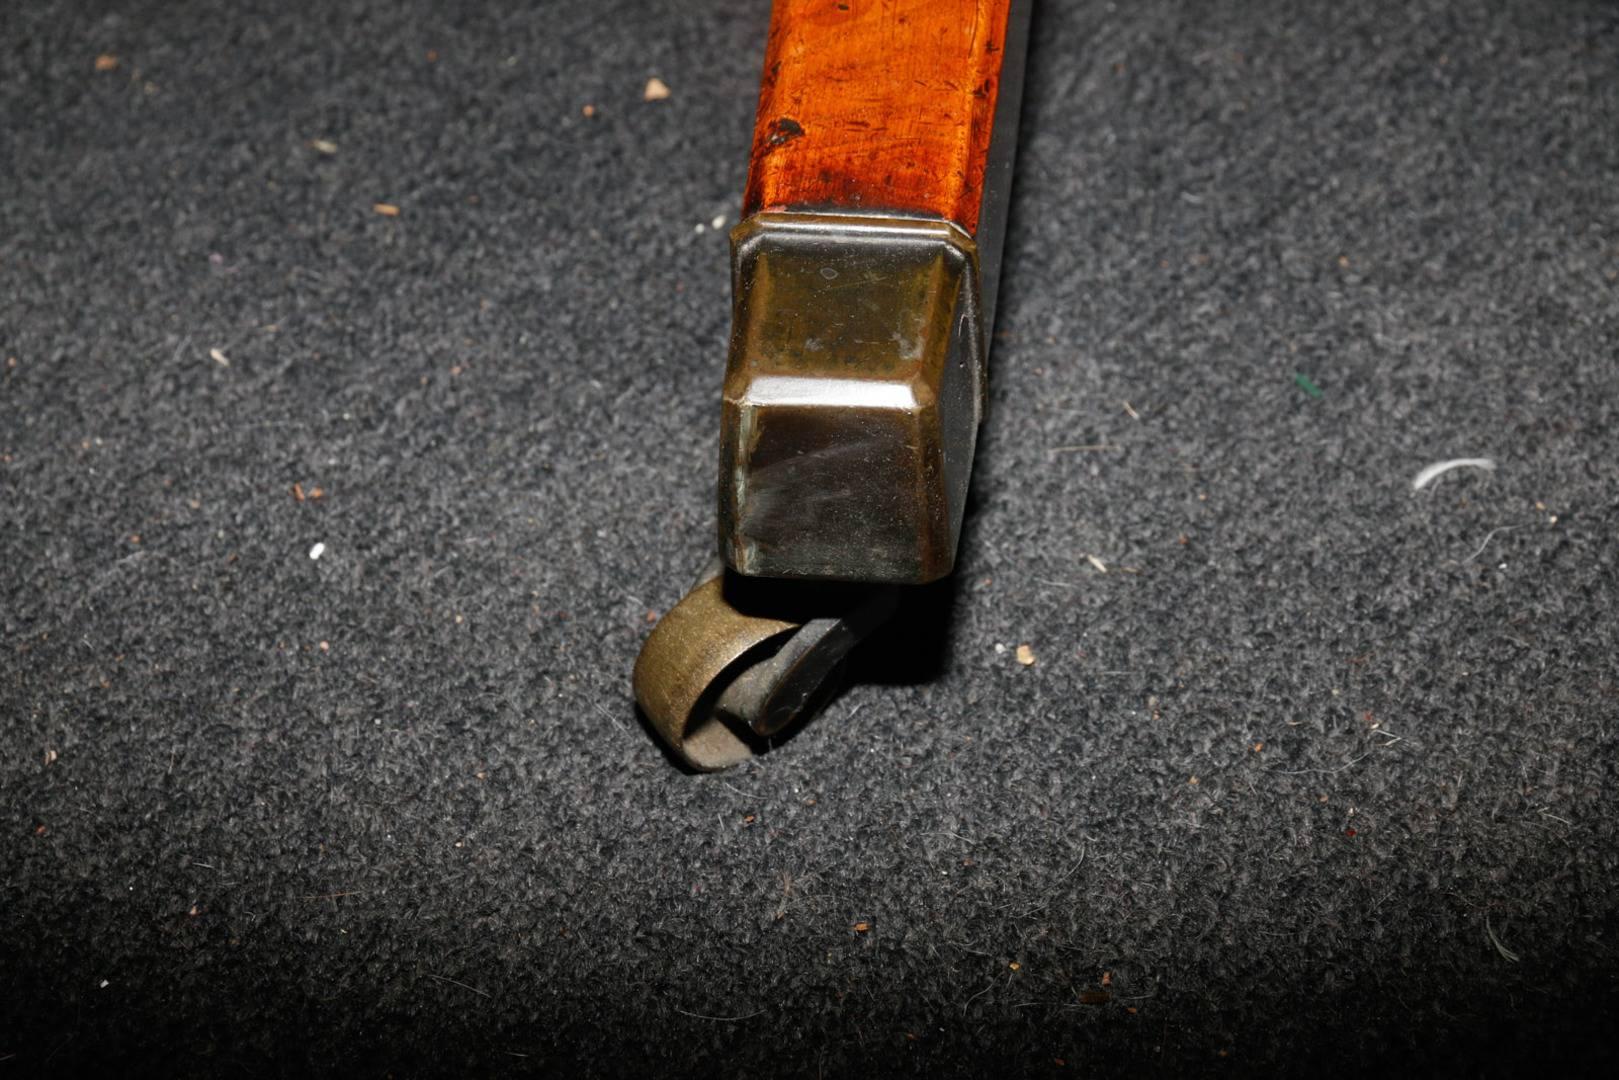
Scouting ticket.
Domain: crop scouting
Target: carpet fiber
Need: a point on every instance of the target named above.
(359, 407)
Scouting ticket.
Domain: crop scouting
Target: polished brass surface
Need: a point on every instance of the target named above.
(852, 397)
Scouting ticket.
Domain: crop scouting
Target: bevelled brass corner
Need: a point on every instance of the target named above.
(852, 397)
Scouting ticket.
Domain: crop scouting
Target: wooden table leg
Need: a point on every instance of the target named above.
(864, 275)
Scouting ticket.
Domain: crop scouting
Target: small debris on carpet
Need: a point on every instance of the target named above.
(1439, 468)
(1506, 954)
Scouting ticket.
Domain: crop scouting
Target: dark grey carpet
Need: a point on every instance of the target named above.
(1320, 770)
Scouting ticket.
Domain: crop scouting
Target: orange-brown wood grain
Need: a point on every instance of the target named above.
(878, 105)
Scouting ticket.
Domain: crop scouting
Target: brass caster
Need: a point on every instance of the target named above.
(863, 283)
(739, 660)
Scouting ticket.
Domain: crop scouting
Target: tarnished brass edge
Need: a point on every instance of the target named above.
(680, 669)
(716, 682)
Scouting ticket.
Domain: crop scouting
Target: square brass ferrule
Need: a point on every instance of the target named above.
(853, 392)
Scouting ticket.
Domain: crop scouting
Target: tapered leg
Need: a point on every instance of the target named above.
(863, 276)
